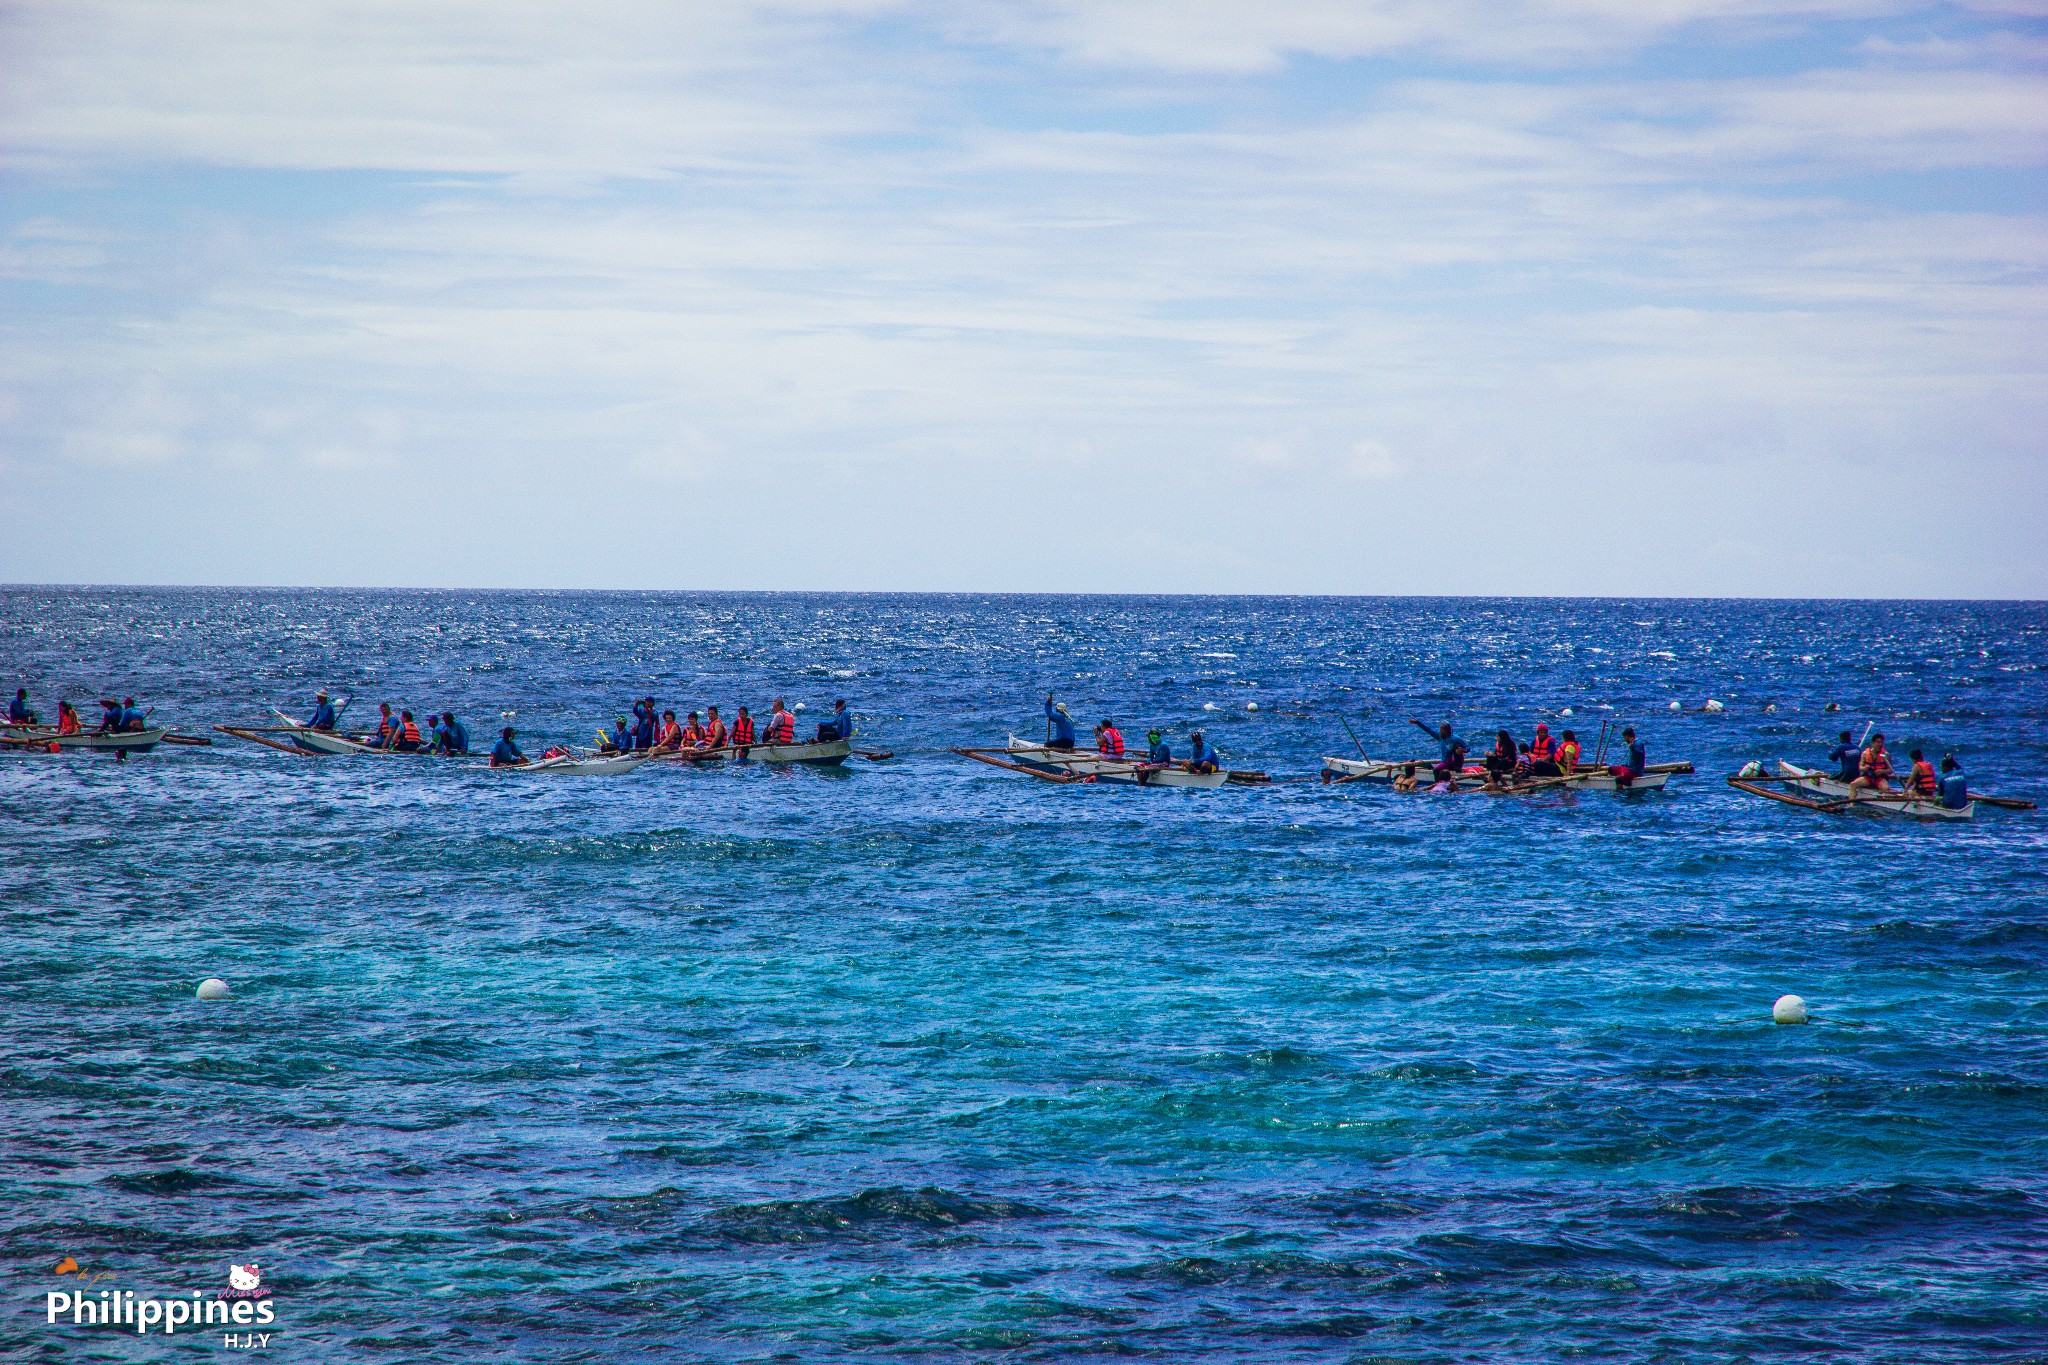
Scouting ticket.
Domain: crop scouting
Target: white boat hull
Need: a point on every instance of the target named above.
(1584, 780)
(116, 741)
(580, 765)
(1125, 771)
(827, 753)
(1831, 788)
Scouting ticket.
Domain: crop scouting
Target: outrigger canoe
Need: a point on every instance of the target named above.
(579, 765)
(1830, 789)
(1086, 765)
(111, 741)
(817, 753)
(1586, 779)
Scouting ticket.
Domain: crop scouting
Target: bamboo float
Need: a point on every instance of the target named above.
(986, 756)
(261, 737)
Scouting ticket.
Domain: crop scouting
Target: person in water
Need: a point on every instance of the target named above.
(1451, 750)
(1202, 756)
(17, 710)
(1062, 724)
(1638, 762)
(1847, 758)
(1955, 788)
(1875, 767)
(838, 725)
(781, 725)
(1407, 781)
(324, 715)
(505, 754)
(1109, 741)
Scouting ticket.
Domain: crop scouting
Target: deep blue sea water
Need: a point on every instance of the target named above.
(923, 1061)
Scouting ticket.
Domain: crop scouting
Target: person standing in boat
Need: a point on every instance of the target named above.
(505, 754)
(324, 717)
(781, 725)
(1202, 755)
(17, 710)
(1847, 758)
(1062, 724)
(1638, 763)
(1109, 741)
(1874, 768)
(1955, 788)
(1451, 750)
(714, 729)
(643, 724)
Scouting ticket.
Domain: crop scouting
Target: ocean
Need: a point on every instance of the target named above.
(918, 1060)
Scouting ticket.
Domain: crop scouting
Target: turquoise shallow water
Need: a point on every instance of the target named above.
(921, 1061)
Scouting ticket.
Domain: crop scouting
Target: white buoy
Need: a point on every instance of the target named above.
(1713, 705)
(1251, 706)
(213, 988)
(1567, 711)
(1789, 1009)
(1208, 706)
(1674, 706)
(798, 707)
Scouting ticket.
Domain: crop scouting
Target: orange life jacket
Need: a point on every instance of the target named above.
(671, 735)
(386, 726)
(693, 733)
(1112, 742)
(1542, 748)
(412, 733)
(1924, 780)
(1876, 762)
(781, 728)
(1568, 755)
(743, 730)
(714, 734)
(67, 723)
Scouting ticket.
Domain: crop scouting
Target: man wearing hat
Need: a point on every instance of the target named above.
(1062, 724)
(324, 717)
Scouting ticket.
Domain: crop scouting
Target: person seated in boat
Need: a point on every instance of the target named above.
(1407, 781)
(387, 727)
(406, 739)
(1500, 759)
(1955, 788)
(133, 717)
(1156, 749)
(1922, 781)
(1202, 755)
(1638, 762)
(324, 717)
(1874, 768)
(693, 733)
(1567, 754)
(1109, 741)
(17, 710)
(67, 719)
(1524, 765)
(1451, 750)
(1847, 758)
(781, 725)
(1543, 754)
(1062, 724)
(714, 729)
(670, 737)
(110, 715)
(505, 753)
(838, 725)
(450, 735)
(742, 729)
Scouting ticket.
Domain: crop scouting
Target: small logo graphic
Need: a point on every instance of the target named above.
(244, 1282)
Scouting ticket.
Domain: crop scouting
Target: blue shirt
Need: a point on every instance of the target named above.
(17, 710)
(1062, 728)
(1203, 751)
(841, 724)
(643, 733)
(1849, 759)
(1955, 790)
(458, 737)
(1447, 747)
(323, 716)
(507, 752)
(133, 718)
(1638, 757)
(621, 737)
(1159, 753)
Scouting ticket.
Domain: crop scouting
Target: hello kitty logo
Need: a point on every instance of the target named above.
(244, 1282)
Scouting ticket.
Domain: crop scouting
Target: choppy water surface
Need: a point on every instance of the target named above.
(922, 1061)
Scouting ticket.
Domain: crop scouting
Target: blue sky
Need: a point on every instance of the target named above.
(1671, 297)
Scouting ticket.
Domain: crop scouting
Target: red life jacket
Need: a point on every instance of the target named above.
(781, 728)
(1924, 780)
(714, 734)
(412, 733)
(1112, 742)
(671, 736)
(385, 726)
(1568, 755)
(693, 733)
(1876, 762)
(67, 724)
(1542, 748)
(743, 730)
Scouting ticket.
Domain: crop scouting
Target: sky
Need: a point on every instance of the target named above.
(1613, 297)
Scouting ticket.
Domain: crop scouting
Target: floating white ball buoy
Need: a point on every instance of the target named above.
(1675, 706)
(508, 714)
(798, 707)
(1251, 706)
(1208, 706)
(1713, 706)
(213, 988)
(1567, 711)
(1789, 1009)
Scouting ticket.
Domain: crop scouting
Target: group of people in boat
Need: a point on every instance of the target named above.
(1109, 742)
(661, 732)
(398, 730)
(1511, 763)
(116, 717)
(1868, 768)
